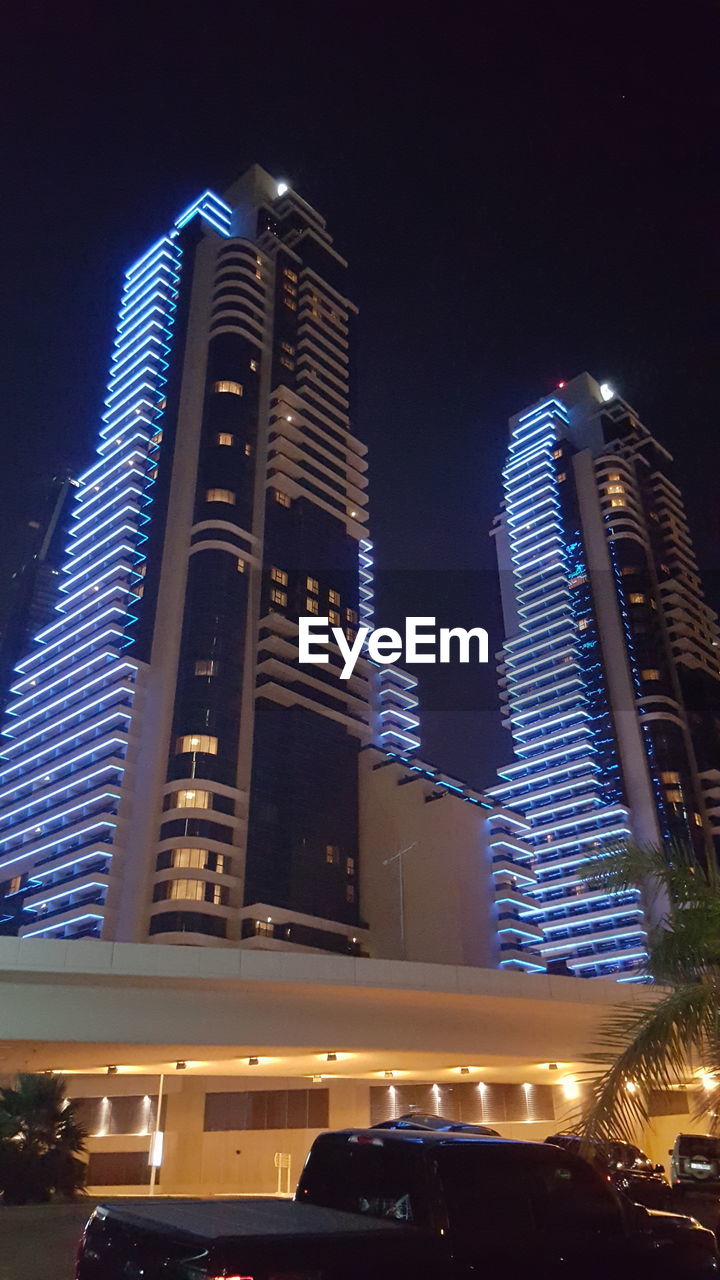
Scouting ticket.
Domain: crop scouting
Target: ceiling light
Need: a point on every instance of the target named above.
(317, 1079)
(253, 1062)
(331, 1057)
(112, 1071)
(180, 1066)
(464, 1071)
(389, 1075)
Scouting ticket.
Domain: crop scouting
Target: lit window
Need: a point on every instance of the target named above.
(650, 673)
(312, 585)
(334, 597)
(670, 776)
(350, 866)
(190, 799)
(334, 617)
(15, 884)
(617, 502)
(224, 437)
(230, 388)
(614, 475)
(636, 597)
(290, 289)
(278, 597)
(562, 476)
(248, 451)
(205, 667)
(577, 581)
(193, 890)
(290, 304)
(289, 364)
(311, 606)
(332, 853)
(221, 495)
(350, 892)
(697, 819)
(240, 565)
(253, 366)
(290, 274)
(197, 742)
(557, 453)
(281, 498)
(197, 858)
(351, 615)
(674, 796)
(627, 570)
(279, 575)
(286, 346)
(583, 624)
(615, 488)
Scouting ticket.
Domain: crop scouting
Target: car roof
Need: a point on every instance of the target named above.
(426, 1137)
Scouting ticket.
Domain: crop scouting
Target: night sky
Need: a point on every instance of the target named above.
(522, 194)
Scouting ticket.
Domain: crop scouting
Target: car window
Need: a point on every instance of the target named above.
(508, 1189)
(380, 1181)
(700, 1145)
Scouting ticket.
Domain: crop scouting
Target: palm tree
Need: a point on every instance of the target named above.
(656, 1044)
(40, 1141)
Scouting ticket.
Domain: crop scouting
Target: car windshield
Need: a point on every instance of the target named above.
(625, 1156)
(690, 1144)
(523, 1189)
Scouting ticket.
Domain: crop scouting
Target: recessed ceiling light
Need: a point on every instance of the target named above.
(253, 1062)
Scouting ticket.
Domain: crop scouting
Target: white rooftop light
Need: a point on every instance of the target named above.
(606, 391)
(282, 188)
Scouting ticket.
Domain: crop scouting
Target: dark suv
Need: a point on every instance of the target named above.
(627, 1167)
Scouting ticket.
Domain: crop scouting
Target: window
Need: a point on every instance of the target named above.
(194, 890)
(562, 476)
(674, 795)
(248, 451)
(266, 1109)
(224, 437)
(15, 884)
(650, 673)
(332, 854)
(281, 498)
(288, 348)
(627, 570)
(557, 453)
(617, 502)
(615, 488)
(199, 859)
(311, 606)
(670, 776)
(278, 597)
(240, 565)
(189, 858)
(289, 364)
(197, 742)
(613, 475)
(334, 617)
(279, 575)
(349, 892)
(229, 388)
(351, 615)
(290, 304)
(583, 624)
(350, 866)
(290, 275)
(189, 799)
(636, 597)
(221, 495)
(253, 366)
(312, 585)
(334, 597)
(697, 819)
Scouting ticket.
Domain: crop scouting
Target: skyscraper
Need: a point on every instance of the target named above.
(609, 676)
(170, 770)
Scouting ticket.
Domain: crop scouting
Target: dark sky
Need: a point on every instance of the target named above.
(523, 191)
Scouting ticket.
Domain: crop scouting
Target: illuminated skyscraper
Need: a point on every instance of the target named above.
(170, 771)
(609, 677)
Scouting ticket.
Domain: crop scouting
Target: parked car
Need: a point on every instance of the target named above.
(426, 1120)
(627, 1167)
(695, 1163)
(406, 1204)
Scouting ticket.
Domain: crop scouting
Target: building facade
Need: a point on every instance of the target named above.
(610, 679)
(170, 771)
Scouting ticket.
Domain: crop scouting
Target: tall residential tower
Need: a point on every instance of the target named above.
(170, 770)
(610, 673)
